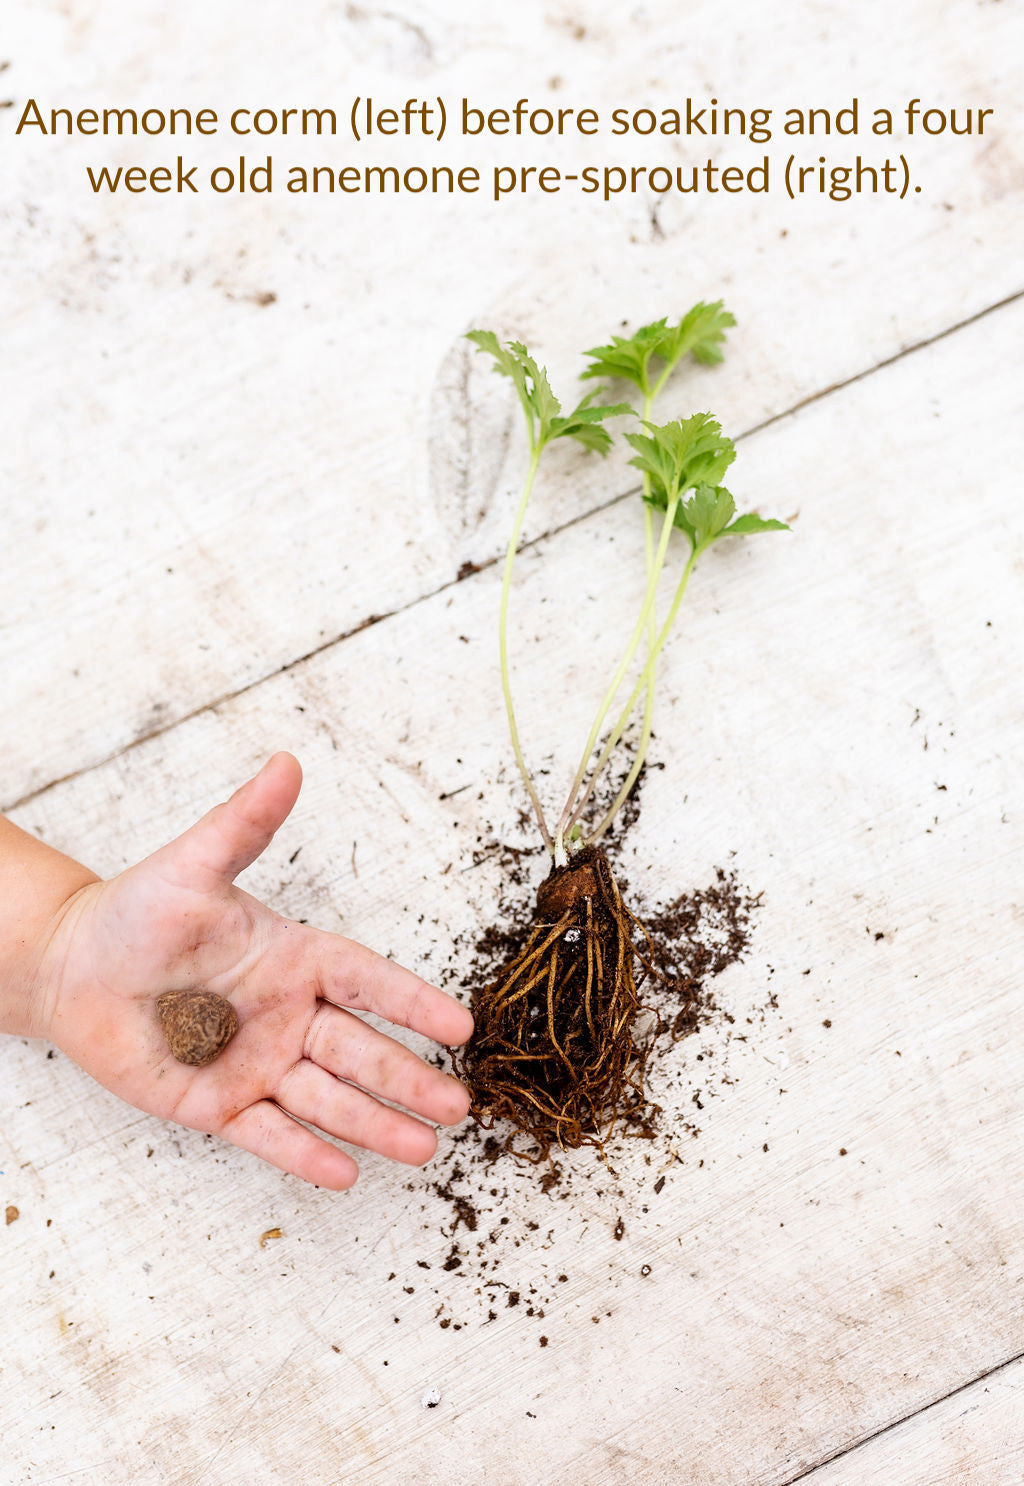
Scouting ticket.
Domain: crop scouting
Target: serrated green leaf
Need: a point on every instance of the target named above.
(506, 365)
(708, 511)
(588, 411)
(679, 456)
(699, 333)
(543, 400)
(542, 408)
(746, 525)
(619, 365)
(486, 340)
(591, 435)
(627, 358)
(655, 459)
(584, 423)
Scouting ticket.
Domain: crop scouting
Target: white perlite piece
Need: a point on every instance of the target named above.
(431, 1398)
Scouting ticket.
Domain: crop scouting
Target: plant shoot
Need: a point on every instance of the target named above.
(554, 1050)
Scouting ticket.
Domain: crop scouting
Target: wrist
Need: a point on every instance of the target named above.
(37, 883)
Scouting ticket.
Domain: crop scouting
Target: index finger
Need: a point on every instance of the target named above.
(351, 975)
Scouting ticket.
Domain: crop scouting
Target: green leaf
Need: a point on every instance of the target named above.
(486, 340)
(655, 460)
(699, 333)
(681, 455)
(543, 400)
(506, 364)
(744, 526)
(708, 511)
(542, 409)
(587, 411)
(583, 423)
(540, 404)
(626, 358)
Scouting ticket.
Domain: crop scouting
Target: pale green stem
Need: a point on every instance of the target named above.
(627, 710)
(659, 384)
(650, 394)
(652, 623)
(616, 681)
(506, 584)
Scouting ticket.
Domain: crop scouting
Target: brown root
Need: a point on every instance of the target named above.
(554, 1051)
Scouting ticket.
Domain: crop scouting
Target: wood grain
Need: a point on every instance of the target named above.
(839, 1247)
(184, 441)
(971, 1438)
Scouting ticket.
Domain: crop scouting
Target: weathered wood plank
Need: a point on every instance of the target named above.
(205, 483)
(973, 1438)
(836, 724)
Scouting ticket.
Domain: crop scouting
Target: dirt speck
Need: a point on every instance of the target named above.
(492, 1250)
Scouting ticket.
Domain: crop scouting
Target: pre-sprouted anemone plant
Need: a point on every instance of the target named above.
(555, 1051)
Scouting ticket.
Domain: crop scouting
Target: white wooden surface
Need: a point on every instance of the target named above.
(972, 1436)
(839, 721)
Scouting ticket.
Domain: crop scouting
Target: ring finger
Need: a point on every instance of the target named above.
(317, 1098)
(350, 1049)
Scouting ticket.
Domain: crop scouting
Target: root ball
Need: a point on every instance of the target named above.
(554, 1051)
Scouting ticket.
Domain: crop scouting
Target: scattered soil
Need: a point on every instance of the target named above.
(684, 946)
(574, 993)
(493, 1223)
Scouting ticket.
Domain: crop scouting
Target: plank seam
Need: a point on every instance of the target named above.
(904, 1419)
(931, 340)
(544, 536)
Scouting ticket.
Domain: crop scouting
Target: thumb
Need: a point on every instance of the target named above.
(231, 836)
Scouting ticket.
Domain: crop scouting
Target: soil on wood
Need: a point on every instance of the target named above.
(571, 1003)
(486, 1258)
(495, 1228)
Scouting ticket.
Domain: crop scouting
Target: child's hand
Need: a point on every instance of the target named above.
(176, 921)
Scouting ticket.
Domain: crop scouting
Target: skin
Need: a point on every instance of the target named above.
(83, 961)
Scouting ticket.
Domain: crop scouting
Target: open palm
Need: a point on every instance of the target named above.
(176, 921)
